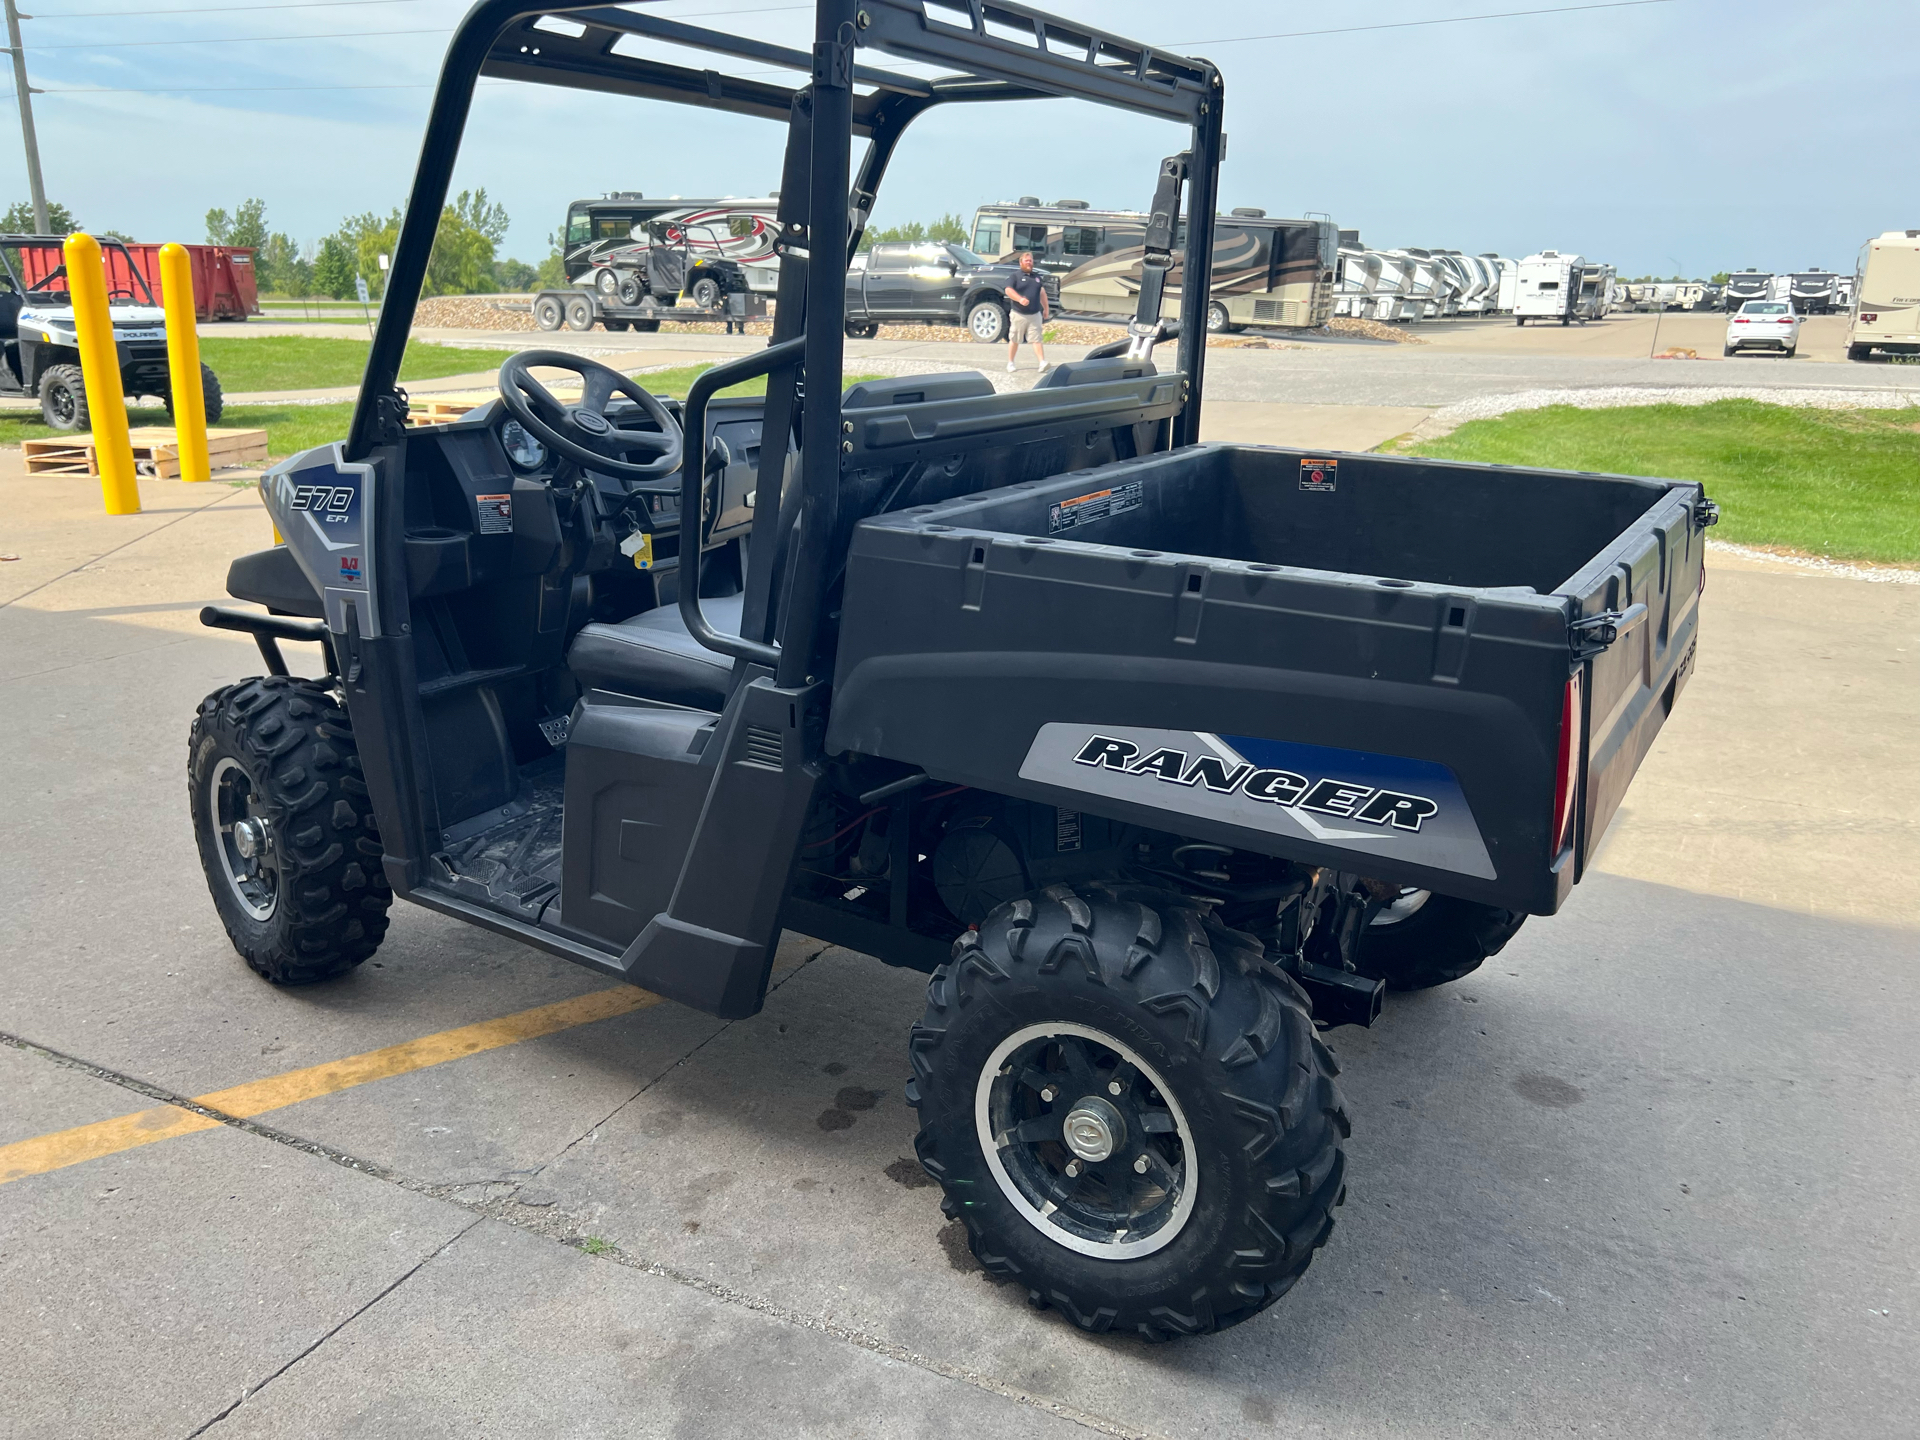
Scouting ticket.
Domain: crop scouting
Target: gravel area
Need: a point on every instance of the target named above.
(1372, 330)
(1487, 407)
(1878, 574)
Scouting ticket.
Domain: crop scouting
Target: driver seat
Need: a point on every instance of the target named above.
(653, 657)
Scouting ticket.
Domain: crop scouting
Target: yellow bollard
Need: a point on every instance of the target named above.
(100, 366)
(183, 362)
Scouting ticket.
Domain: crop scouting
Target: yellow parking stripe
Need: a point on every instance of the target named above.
(256, 1097)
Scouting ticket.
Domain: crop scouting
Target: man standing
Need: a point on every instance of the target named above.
(1027, 312)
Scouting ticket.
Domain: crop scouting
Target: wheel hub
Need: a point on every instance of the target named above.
(1094, 1129)
(250, 838)
(1086, 1141)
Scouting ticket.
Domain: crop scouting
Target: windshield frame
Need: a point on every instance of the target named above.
(504, 39)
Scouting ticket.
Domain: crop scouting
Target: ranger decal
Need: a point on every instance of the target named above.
(1381, 804)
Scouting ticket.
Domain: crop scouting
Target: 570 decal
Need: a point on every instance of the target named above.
(331, 502)
(1270, 786)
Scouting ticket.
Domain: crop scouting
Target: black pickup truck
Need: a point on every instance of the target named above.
(933, 282)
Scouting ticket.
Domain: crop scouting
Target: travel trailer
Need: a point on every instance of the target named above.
(1265, 271)
(1814, 292)
(1549, 287)
(1745, 285)
(1886, 297)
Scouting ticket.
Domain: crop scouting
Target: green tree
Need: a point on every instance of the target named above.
(245, 228)
(19, 219)
(1719, 278)
(947, 227)
(514, 275)
(334, 268)
(552, 274)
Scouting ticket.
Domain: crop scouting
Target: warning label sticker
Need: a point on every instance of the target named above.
(1085, 509)
(496, 514)
(1319, 474)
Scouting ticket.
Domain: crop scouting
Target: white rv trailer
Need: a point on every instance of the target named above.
(1596, 293)
(1396, 299)
(1549, 287)
(1509, 283)
(1886, 297)
(1843, 293)
(1814, 292)
(1745, 285)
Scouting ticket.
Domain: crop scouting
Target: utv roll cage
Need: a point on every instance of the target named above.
(823, 206)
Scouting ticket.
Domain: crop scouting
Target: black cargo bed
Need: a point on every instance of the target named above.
(1405, 625)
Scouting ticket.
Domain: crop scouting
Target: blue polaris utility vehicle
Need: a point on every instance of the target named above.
(1158, 755)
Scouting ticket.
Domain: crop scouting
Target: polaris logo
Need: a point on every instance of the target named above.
(1287, 788)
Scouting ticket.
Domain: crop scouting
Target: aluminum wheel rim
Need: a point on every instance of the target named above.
(985, 325)
(1404, 906)
(254, 885)
(1084, 1211)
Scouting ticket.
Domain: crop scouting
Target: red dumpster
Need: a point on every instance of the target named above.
(223, 283)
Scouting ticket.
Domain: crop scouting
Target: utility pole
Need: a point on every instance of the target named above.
(25, 92)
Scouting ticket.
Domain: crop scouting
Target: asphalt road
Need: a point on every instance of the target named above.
(1649, 1173)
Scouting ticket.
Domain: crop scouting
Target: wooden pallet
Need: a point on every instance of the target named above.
(439, 409)
(156, 452)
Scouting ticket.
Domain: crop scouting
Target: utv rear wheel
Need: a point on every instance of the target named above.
(1421, 939)
(63, 398)
(1129, 1110)
(285, 829)
(210, 396)
(548, 313)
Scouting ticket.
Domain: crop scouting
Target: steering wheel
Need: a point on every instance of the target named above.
(582, 432)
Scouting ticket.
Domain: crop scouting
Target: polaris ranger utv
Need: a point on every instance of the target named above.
(1157, 754)
(42, 352)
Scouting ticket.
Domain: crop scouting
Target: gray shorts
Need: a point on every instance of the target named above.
(1024, 329)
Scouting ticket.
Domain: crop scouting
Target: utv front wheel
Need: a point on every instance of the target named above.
(210, 396)
(1421, 939)
(63, 398)
(1129, 1110)
(285, 829)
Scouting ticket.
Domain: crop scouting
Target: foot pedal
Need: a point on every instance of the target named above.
(554, 730)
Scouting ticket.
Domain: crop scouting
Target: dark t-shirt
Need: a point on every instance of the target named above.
(1027, 287)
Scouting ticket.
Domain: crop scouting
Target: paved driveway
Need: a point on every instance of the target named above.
(1648, 1173)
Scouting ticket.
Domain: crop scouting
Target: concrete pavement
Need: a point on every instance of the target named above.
(1648, 1173)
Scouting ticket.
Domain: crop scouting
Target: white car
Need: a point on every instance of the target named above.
(1764, 325)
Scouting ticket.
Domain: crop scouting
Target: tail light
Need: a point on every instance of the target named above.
(1740, 320)
(1869, 319)
(1566, 782)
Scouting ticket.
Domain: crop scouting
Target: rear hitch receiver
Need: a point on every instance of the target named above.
(1339, 996)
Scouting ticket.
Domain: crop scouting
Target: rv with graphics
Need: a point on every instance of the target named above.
(1886, 297)
(1814, 292)
(1265, 271)
(626, 246)
(1745, 285)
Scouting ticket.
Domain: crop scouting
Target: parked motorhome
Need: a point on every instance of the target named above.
(1596, 293)
(1745, 285)
(1549, 287)
(1886, 297)
(1814, 292)
(1265, 271)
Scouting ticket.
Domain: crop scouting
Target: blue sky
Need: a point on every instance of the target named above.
(1687, 135)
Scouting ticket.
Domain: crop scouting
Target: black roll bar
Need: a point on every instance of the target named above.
(693, 480)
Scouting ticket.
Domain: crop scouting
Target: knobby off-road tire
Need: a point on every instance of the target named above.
(63, 398)
(1444, 939)
(210, 395)
(278, 751)
(1135, 1000)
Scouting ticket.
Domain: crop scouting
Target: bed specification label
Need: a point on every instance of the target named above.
(496, 514)
(1319, 475)
(1099, 505)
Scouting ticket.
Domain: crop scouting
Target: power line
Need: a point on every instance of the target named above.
(1411, 24)
(237, 39)
(333, 4)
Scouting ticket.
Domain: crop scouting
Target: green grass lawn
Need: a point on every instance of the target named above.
(1838, 483)
(292, 428)
(307, 362)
